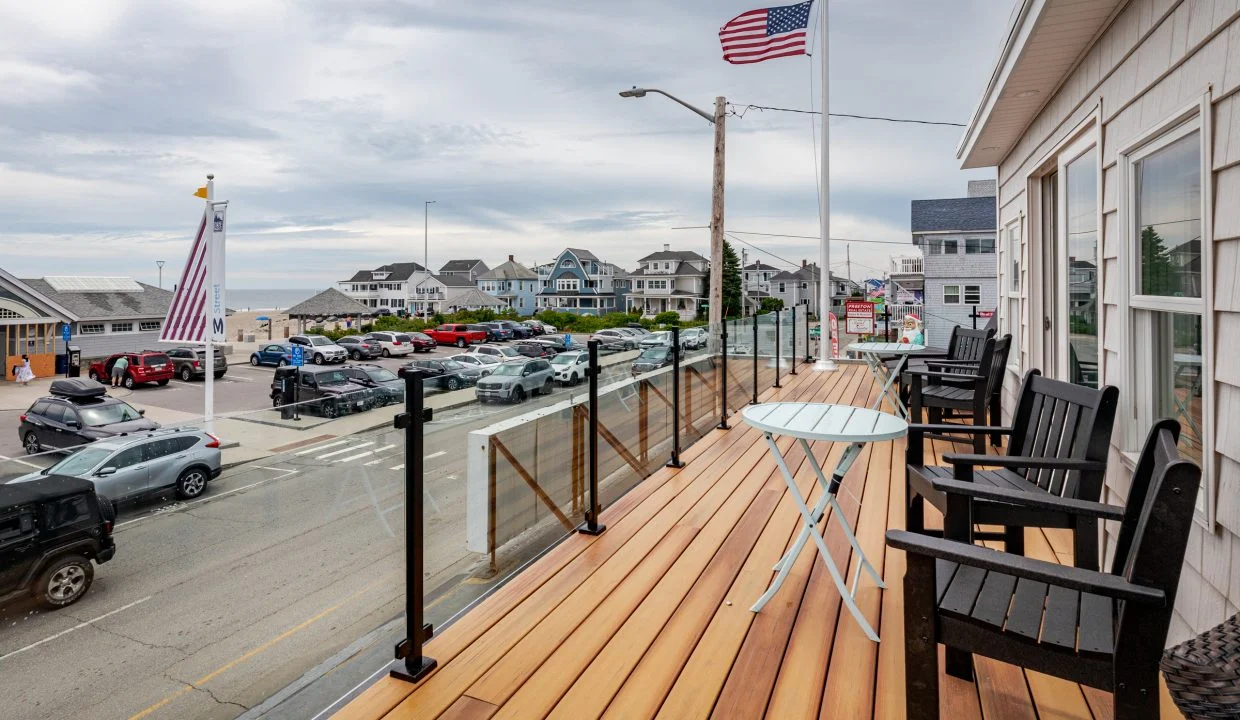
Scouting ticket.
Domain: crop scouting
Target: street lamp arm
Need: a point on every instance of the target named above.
(639, 92)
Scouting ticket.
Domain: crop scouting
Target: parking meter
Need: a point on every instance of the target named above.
(73, 367)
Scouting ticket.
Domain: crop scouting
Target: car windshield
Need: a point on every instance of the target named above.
(79, 463)
(107, 414)
(508, 352)
(485, 359)
(320, 341)
(564, 359)
(509, 369)
(381, 374)
(658, 337)
(333, 377)
(452, 365)
(654, 354)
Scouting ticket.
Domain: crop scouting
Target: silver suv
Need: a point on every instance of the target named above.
(142, 463)
(319, 349)
(513, 381)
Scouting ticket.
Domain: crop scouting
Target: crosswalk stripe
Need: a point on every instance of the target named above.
(398, 467)
(435, 455)
(353, 457)
(341, 452)
(317, 448)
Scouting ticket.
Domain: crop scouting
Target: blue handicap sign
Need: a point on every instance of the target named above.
(298, 358)
(568, 340)
(65, 333)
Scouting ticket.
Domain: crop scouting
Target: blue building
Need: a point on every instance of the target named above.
(578, 282)
(513, 283)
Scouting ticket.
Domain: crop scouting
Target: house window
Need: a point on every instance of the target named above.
(951, 247)
(804, 286)
(90, 329)
(972, 294)
(122, 327)
(568, 284)
(951, 294)
(566, 263)
(1012, 306)
(781, 287)
(641, 284)
(979, 246)
(148, 325)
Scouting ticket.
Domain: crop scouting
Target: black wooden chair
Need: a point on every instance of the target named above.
(962, 389)
(1057, 449)
(1104, 630)
(964, 350)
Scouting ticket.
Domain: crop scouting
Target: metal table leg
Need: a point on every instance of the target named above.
(887, 379)
(810, 519)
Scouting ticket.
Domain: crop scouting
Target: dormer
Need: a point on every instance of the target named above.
(379, 275)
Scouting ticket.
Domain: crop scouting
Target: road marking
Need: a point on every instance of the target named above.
(79, 626)
(375, 462)
(341, 452)
(184, 506)
(364, 454)
(432, 456)
(398, 467)
(23, 462)
(320, 447)
(256, 651)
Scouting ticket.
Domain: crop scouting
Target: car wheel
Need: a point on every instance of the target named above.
(255, 361)
(31, 444)
(187, 374)
(386, 353)
(128, 383)
(572, 379)
(461, 342)
(161, 383)
(330, 410)
(275, 401)
(547, 387)
(518, 395)
(454, 383)
(191, 484)
(318, 359)
(355, 355)
(282, 363)
(64, 582)
(94, 375)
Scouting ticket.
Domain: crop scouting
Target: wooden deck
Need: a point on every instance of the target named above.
(652, 617)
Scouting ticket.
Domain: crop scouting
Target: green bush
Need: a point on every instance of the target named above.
(671, 317)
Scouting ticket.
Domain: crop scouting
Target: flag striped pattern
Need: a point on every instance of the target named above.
(765, 34)
(186, 321)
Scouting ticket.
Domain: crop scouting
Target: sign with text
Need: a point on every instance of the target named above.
(859, 317)
(297, 356)
(833, 326)
(986, 314)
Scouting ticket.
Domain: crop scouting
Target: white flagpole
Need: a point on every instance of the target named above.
(825, 361)
(208, 409)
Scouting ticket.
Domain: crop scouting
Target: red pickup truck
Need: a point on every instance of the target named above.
(458, 335)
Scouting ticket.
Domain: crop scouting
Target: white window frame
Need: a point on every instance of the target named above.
(955, 246)
(1194, 117)
(1012, 261)
(568, 284)
(964, 294)
(122, 327)
(149, 325)
(91, 329)
(959, 295)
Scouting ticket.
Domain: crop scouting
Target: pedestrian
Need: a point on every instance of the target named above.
(24, 373)
(118, 370)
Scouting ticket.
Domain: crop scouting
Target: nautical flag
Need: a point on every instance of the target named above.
(200, 294)
(765, 34)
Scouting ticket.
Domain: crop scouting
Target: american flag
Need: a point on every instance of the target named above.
(186, 322)
(764, 34)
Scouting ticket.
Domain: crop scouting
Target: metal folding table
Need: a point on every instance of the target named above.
(872, 353)
(832, 423)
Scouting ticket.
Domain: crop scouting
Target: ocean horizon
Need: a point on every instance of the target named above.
(244, 299)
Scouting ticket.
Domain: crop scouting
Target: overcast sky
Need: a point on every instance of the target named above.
(327, 123)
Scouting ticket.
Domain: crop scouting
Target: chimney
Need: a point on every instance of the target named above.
(509, 258)
(804, 263)
(983, 188)
(667, 247)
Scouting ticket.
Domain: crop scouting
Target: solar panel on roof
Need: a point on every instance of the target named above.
(65, 283)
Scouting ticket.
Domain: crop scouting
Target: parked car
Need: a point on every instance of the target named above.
(495, 331)
(570, 367)
(446, 374)
(505, 354)
(512, 382)
(518, 330)
(319, 349)
(485, 363)
(421, 341)
(327, 391)
(534, 326)
(556, 343)
(51, 529)
(359, 347)
(613, 338)
(457, 334)
(393, 344)
(147, 366)
(137, 464)
(77, 412)
(694, 338)
(634, 327)
(533, 349)
(189, 363)
(662, 338)
(652, 358)
(388, 388)
(278, 354)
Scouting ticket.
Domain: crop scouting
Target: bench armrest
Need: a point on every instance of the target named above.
(1037, 500)
(951, 376)
(922, 429)
(1017, 461)
(1066, 576)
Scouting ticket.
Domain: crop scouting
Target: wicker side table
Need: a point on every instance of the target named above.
(1203, 673)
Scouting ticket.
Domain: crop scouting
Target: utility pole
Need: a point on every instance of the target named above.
(848, 263)
(160, 265)
(716, 217)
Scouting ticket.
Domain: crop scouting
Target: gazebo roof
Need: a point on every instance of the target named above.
(328, 302)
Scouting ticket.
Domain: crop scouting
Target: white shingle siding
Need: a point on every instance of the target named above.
(1156, 57)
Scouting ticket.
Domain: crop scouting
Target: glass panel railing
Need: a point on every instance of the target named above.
(740, 363)
(765, 351)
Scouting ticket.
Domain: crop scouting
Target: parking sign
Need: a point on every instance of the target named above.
(298, 358)
(65, 333)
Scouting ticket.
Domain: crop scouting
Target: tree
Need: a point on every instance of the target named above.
(770, 305)
(731, 282)
(1157, 275)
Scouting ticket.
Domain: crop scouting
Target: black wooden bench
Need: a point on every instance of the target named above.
(962, 389)
(1104, 630)
(1057, 450)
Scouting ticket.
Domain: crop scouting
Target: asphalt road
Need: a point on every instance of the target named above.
(212, 606)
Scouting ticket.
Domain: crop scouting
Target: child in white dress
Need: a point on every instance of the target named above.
(24, 373)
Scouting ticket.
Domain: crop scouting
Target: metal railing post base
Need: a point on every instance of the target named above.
(586, 529)
(411, 670)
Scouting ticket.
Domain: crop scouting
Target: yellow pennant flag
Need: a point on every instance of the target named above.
(201, 192)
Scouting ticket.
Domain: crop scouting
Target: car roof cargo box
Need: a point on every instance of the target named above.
(78, 388)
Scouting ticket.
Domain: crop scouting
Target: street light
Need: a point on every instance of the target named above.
(160, 264)
(716, 205)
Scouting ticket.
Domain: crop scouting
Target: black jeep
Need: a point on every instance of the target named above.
(326, 390)
(50, 531)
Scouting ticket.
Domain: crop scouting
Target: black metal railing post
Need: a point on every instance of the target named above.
(674, 461)
(886, 321)
(755, 358)
(411, 665)
(792, 357)
(777, 385)
(592, 526)
(723, 377)
(973, 315)
(809, 345)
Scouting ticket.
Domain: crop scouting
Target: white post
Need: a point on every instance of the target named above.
(208, 402)
(825, 361)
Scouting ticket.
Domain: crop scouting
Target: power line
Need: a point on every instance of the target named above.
(733, 111)
(801, 237)
(761, 250)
